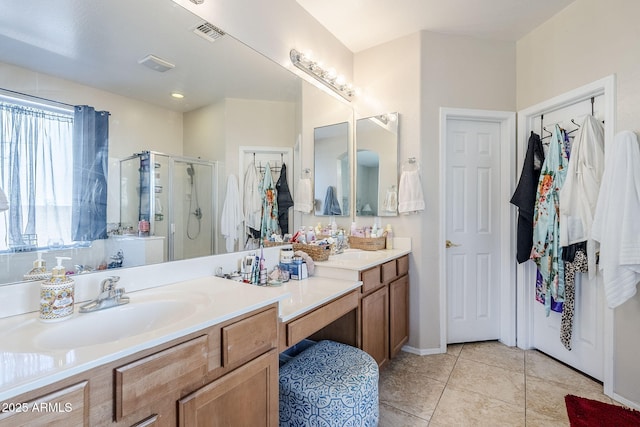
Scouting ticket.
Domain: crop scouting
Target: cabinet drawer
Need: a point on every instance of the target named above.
(66, 407)
(301, 328)
(143, 382)
(389, 271)
(403, 265)
(370, 279)
(250, 337)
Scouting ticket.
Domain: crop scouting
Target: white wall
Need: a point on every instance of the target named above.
(133, 126)
(416, 75)
(273, 28)
(215, 132)
(588, 40)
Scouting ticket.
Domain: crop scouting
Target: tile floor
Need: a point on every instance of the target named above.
(480, 384)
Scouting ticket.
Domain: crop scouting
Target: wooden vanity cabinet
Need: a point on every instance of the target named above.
(236, 399)
(375, 325)
(385, 309)
(208, 373)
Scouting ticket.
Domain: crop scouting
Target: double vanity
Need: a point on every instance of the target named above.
(203, 348)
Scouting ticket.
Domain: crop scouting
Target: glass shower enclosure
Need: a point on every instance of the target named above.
(175, 197)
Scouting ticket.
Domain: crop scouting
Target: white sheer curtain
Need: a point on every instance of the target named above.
(36, 173)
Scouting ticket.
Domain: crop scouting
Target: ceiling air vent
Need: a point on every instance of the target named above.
(208, 31)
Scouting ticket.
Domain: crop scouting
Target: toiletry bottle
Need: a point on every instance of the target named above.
(311, 235)
(334, 227)
(374, 230)
(56, 295)
(39, 270)
(354, 228)
(389, 242)
(263, 269)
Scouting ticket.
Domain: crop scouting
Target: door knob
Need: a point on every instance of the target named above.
(449, 244)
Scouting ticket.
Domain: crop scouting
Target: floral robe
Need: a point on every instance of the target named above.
(546, 251)
(269, 223)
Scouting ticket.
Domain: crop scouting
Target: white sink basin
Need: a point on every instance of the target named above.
(115, 323)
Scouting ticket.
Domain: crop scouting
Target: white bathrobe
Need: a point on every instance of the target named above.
(616, 224)
(231, 214)
(252, 198)
(579, 194)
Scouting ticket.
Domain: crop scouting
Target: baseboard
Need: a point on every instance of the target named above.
(626, 402)
(422, 351)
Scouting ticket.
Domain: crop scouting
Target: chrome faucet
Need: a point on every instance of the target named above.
(110, 296)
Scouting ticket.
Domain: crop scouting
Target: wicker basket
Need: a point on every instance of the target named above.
(270, 244)
(367, 243)
(316, 252)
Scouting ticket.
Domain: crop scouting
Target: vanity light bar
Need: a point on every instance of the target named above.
(327, 77)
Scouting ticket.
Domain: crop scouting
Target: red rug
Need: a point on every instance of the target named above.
(591, 413)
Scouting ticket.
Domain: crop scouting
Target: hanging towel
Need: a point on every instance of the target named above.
(390, 203)
(546, 251)
(410, 198)
(331, 205)
(579, 195)
(525, 196)
(303, 196)
(615, 224)
(4, 204)
(232, 216)
(252, 199)
(269, 222)
(284, 200)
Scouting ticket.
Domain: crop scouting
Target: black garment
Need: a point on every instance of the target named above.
(285, 201)
(525, 196)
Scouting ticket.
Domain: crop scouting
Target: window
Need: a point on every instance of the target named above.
(36, 174)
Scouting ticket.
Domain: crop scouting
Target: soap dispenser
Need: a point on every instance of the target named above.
(56, 295)
(39, 270)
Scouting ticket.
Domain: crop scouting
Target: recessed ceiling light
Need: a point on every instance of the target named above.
(177, 95)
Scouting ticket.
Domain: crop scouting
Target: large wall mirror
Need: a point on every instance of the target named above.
(88, 53)
(377, 165)
(333, 170)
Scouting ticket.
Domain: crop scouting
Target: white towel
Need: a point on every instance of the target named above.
(252, 198)
(4, 204)
(303, 201)
(410, 198)
(579, 194)
(231, 214)
(615, 224)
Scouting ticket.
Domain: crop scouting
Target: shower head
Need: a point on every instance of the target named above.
(190, 170)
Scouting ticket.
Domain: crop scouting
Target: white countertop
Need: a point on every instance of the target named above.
(346, 266)
(28, 364)
(305, 295)
(34, 354)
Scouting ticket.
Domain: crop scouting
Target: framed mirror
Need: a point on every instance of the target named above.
(233, 95)
(332, 164)
(377, 165)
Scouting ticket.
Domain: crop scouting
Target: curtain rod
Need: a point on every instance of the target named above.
(37, 97)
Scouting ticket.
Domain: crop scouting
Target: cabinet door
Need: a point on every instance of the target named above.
(375, 325)
(247, 396)
(398, 314)
(66, 407)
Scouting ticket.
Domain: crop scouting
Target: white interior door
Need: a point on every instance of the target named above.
(587, 341)
(473, 218)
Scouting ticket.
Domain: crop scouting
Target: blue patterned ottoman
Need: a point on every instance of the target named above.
(329, 384)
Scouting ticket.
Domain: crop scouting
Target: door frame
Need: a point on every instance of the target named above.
(605, 87)
(507, 274)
